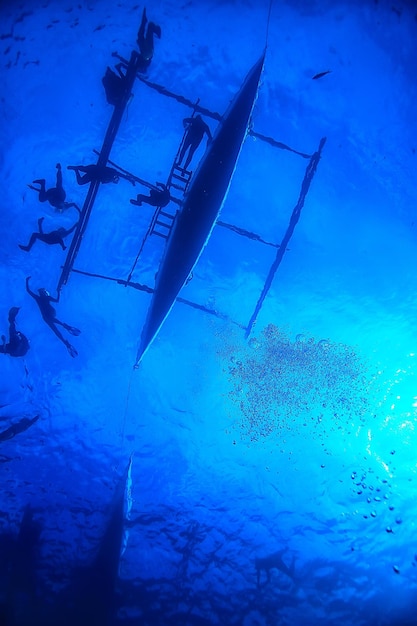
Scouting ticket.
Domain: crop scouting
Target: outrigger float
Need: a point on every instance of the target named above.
(187, 228)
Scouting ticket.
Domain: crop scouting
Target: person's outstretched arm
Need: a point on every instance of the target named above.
(71, 230)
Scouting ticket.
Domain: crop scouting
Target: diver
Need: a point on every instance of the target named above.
(15, 429)
(43, 300)
(56, 195)
(18, 344)
(100, 173)
(157, 197)
(196, 129)
(55, 236)
(145, 41)
(114, 85)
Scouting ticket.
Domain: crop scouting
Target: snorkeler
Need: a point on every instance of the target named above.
(56, 195)
(196, 129)
(100, 173)
(54, 237)
(18, 344)
(145, 41)
(157, 197)
(43, 300)
(114, 84)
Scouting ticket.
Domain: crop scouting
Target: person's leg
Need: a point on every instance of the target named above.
(37, 189)
(43, 196)
(153, 198)
(141, 32)
(191, 151)
(79, 168)
(12, 330)
(81, 179)
(141, 198)
(33, 238)
(41, 190)
(57, 195)
(40, 221)
(58, 176)
(13, 314)
(154, 29)
(71, 329)
(184, 149)
(66, 343)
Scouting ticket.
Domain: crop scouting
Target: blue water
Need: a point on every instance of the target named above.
(273, 480)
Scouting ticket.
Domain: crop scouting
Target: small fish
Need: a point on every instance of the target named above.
(100, 27)
(321, 74)
(31, 63)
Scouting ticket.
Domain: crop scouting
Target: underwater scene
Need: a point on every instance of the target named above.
(208, 363)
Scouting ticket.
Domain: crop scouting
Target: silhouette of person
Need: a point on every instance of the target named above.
(43, 300)
(114, 84)
(196, 129)
(145, 41)
(56, 195)
(15, 429)
(18, 344)
(55, 236)
(100, 173)
(157, 197)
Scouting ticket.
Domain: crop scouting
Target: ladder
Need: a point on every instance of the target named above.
(163, 220)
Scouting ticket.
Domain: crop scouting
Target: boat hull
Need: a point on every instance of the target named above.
(201, 207)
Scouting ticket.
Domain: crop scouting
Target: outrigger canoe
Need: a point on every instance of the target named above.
(201, 207)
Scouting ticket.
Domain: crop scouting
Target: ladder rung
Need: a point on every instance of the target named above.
(185, 179)
(181, 169)
(179, 187)
(163, 224)
(167, 215)
(164, 235)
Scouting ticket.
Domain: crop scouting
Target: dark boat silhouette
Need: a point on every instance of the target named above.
(201, 207)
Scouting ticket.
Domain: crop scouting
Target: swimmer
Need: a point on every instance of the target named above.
(18, 344)
(43, 300)
(157, 197)
(54, 237)
(56, 195)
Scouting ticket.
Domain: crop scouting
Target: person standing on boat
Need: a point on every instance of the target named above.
(145, 42)
(43, 300)
(18, 344)
(157, 197)
(100, 173)
(55, 236)
(56, 195)
(196, 129)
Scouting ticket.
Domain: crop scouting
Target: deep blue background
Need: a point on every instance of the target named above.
(241, 450)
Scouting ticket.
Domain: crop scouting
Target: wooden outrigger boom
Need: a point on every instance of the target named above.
(113, 127)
